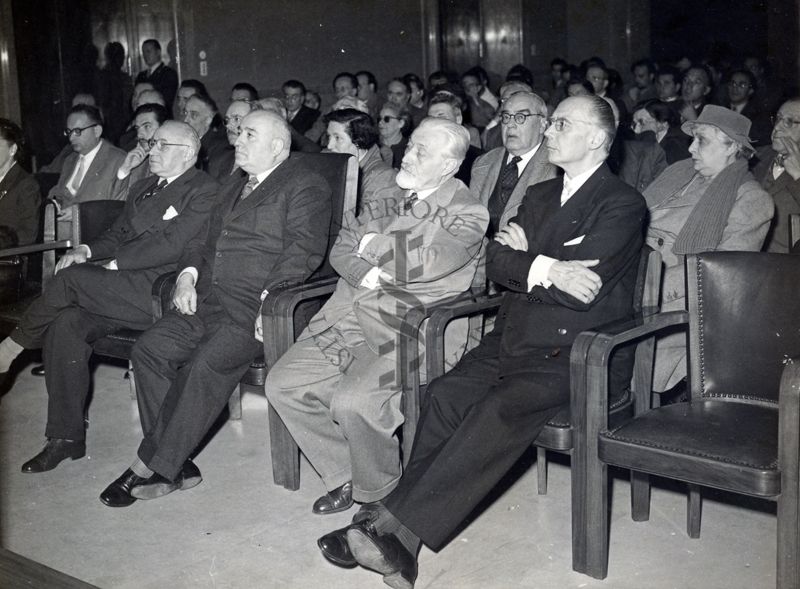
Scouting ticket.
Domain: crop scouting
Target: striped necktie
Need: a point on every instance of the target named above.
(410, 201)
(249, 187)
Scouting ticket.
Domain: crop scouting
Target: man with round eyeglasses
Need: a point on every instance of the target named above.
(105, 285)
(778, 171)
(501, 177)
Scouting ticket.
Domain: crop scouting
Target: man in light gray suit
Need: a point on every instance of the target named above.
(501, 177)
(337, 389)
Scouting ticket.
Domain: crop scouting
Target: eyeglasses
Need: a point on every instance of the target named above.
(235, 119)
(78, 130)
(387, 118)
(562, 124)
(788, 122)
(162, 143)
(518, 117)
(740, 85)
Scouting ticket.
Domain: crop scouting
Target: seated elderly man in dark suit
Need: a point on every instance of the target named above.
(269, 230)
(337, 389)
(570, 259)
(86, 301)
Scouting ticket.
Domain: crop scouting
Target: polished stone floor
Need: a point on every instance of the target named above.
(238, 530)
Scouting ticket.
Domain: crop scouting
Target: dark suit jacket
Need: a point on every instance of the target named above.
(607, 216)
(151, 233)
(786, 192)
(275, 237)
(215, 152)
(465, 170)
(100, 179)
(304, 119)
(20, 204)
(164, 79)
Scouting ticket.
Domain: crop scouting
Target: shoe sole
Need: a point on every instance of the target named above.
(369, 556)
(157, 490)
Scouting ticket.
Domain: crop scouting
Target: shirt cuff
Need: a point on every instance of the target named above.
(371, 279)
(121, 176)
(365, 241)
(540, 268)
(112, 265)
(192, 271)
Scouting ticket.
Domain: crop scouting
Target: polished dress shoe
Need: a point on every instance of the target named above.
(38, 370)
(158, 486)
(118, 493)
(340, 499)
(384, 554)
(54, 452)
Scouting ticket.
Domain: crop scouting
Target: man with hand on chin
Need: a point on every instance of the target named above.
(569, 259)
(85, 301)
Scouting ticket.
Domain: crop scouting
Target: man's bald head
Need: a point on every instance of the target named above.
(150, 97)
(263, 143)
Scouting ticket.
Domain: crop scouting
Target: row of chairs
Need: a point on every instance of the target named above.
(743, 339)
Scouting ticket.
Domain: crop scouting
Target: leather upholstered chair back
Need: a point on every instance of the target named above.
(341, 172)
(747, 310)
(94, 217)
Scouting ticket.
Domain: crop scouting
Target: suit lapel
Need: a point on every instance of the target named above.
(532, 174)
(149, 211)
(10, 179)
(97, 163)
(564, 219)
(264, 191)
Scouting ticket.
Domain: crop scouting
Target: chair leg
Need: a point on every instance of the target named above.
(131, 380)
(541, 469)
(590, 519)
(694, 511)
(235, 404)
(640, 496)
(285, 454)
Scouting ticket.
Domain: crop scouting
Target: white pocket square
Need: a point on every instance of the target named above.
(170, 213)
(575, 241)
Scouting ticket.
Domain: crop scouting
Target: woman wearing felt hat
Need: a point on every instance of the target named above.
(710, 202)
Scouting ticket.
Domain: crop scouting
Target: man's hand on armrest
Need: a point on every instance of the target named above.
(575, 278)
(185, 297)
(78, 255)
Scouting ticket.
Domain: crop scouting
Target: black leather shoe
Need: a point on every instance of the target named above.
(118, 493)
(158, 486)
(384, 554)
(54, 452)
(38, 370)
(340, 499)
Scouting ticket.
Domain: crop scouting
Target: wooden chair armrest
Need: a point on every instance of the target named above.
(161, 293)
(35, 248)
(277, 314)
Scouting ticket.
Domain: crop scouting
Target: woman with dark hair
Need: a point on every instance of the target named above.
(394, 127)
(664, 121)
(352, 131)
(20, 198)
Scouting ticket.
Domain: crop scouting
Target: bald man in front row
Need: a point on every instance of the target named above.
(88, 299)
(569, 260)
(269, 230)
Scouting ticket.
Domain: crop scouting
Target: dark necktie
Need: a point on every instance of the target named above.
(249, 187)
(509, 178)
(155, 189)
(410, 201)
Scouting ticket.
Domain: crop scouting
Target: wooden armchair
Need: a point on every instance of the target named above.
(89, 219)
(557, 435)
(739, 430)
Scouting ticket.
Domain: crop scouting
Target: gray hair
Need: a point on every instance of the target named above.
(274, 105)
(457, 135)
(185, 132)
